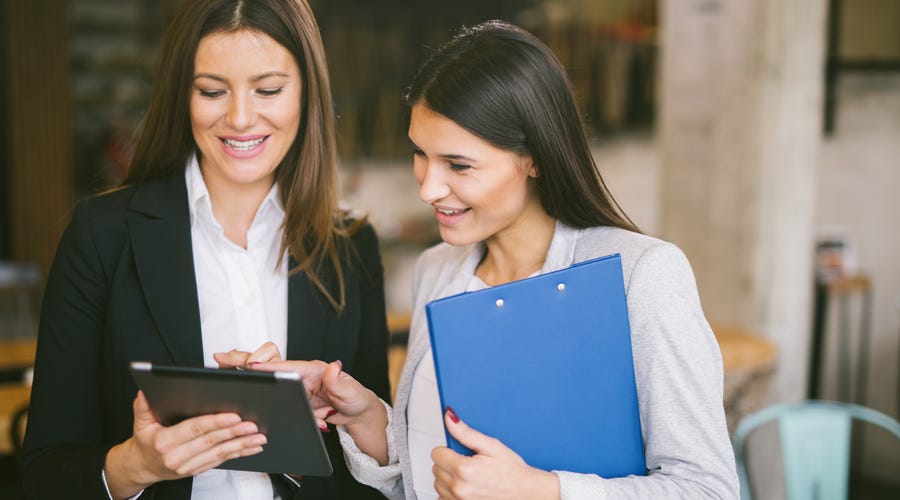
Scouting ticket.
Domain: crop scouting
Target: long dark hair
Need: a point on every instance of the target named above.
(504, 85)
(314, 230)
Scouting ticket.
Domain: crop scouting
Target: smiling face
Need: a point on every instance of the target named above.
(479, 192)
(245, 108)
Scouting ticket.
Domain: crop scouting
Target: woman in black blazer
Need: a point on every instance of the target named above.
(242, 96)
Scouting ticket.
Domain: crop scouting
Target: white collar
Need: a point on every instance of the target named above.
(200, 205)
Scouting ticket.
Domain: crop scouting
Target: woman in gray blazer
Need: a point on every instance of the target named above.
(500, 152)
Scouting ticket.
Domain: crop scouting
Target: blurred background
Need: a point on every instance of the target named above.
(761, 136)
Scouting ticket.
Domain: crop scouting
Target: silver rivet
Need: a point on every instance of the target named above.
(499, 302)
(561, 287)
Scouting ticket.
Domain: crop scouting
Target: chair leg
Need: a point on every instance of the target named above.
(17, 430)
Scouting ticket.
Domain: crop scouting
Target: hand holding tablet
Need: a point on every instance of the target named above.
(276, 401)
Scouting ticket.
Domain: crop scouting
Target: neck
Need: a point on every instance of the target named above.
(234, 207)
(517, 253)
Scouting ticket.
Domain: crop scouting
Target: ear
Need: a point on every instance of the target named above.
(528, 165)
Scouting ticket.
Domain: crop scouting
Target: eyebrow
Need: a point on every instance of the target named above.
(445, 156)
(254, 79)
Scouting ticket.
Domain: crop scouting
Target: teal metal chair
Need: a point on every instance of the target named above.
(815, 445)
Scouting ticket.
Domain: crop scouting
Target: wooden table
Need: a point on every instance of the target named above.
(15, 354)
(749, 363)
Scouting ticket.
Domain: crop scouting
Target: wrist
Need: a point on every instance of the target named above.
(546, 485)
(372, 416)
(125, 477)
(368, 430)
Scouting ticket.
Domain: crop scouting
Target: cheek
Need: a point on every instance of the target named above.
(513, 192)
(514, 187)
(287, 117)
(202, 114)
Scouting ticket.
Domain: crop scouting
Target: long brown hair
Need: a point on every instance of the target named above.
(315, 233)
(504, 85)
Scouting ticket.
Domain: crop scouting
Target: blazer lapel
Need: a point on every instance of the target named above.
(161, 241)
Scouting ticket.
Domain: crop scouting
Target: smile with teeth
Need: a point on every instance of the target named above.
(244, 145)
(446, 211)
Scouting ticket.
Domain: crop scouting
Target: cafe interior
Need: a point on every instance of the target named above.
(760, 136)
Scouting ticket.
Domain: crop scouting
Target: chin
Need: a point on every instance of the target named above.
(457, 238)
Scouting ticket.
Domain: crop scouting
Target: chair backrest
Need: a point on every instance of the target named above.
(815, 445)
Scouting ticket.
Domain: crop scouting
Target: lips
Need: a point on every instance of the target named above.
(450, 216)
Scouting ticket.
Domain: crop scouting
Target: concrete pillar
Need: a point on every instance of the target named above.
(740, 129)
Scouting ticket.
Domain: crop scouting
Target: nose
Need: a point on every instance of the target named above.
(432, 184)
(240, 113)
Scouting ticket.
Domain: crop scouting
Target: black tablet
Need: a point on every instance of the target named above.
(277, 402)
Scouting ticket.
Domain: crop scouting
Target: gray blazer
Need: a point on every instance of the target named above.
(678, 370)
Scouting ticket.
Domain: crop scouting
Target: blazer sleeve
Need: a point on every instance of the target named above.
(65, 450)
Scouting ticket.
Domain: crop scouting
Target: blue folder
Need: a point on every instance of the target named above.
(544, 364)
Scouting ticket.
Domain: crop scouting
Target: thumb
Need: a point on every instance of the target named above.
(336, 382)
(143, 415)
(481, 444)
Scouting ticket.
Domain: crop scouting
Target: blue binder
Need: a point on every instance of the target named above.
(544, 364)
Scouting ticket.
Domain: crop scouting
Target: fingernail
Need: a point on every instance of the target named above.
(253, 363)
(452, 415)
(340, 365)
(330, 413)
(324, 429)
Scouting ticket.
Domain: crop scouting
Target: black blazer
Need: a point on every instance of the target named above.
(123, 288)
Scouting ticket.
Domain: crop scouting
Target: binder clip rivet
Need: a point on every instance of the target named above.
(561, 287)
(499, 302)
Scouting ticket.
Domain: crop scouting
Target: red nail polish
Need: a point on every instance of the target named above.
(330, 413)
(324, 429)
(452, 415)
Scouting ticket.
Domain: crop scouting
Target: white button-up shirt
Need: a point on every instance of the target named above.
(243, 304)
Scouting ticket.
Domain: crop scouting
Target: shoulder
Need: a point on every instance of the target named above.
(155, 198)
(102, 216)
(641, 254)
(361, 234)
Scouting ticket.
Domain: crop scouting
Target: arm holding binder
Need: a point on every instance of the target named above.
(679, 383)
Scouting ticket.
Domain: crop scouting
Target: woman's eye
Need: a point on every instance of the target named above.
(269, 92)
(459, 167)
(211, 93)
(418, 152)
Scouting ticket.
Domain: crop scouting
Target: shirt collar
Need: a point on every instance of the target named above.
(200, 205)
